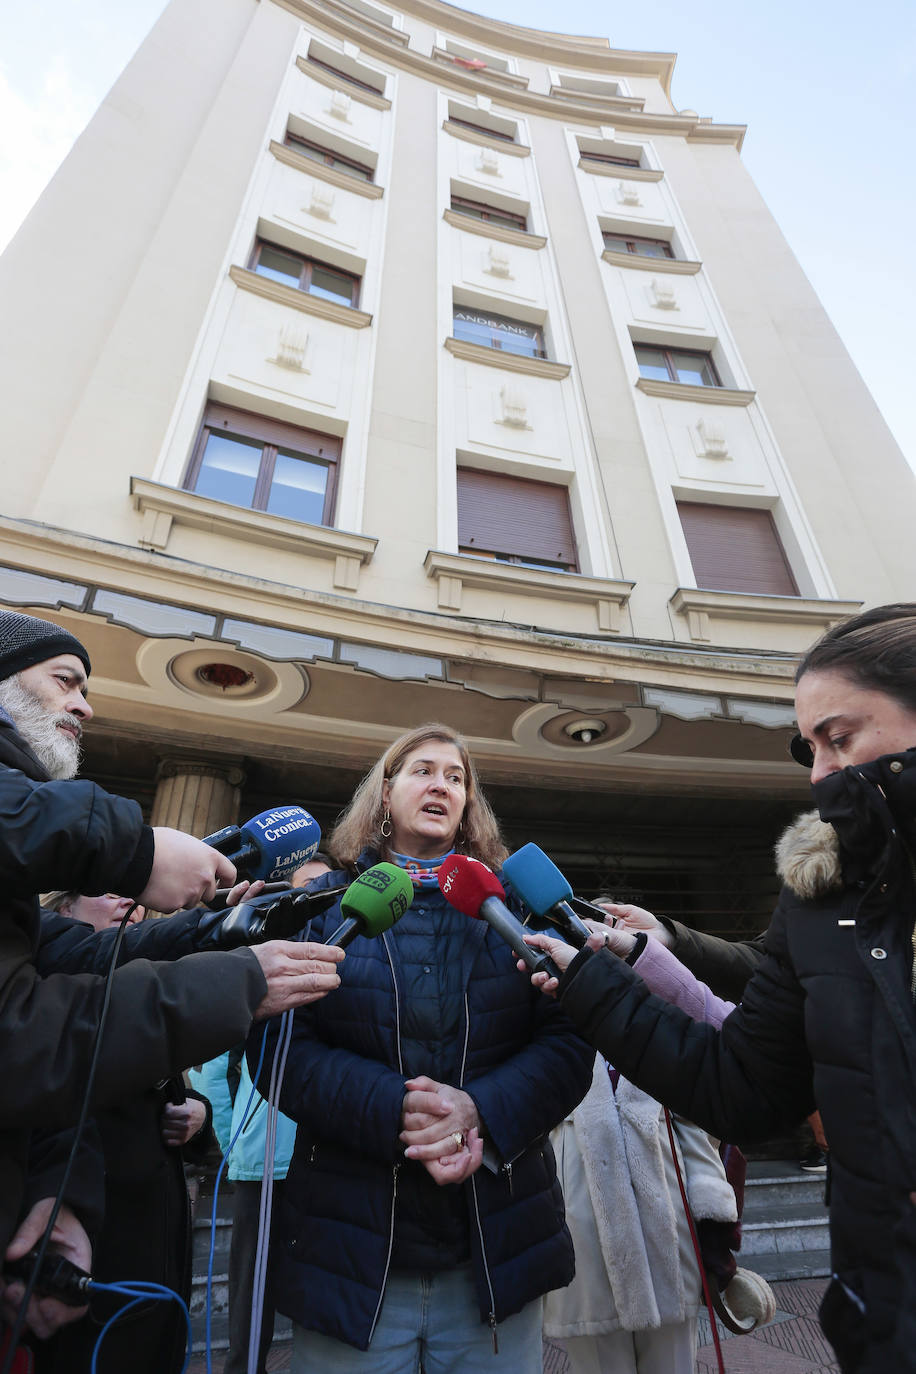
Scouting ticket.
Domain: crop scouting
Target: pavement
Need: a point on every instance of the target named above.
(791, 1344)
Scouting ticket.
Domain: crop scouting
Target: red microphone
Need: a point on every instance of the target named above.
(475, 890)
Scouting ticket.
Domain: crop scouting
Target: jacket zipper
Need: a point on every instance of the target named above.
(394, 1176)
(491, 1316)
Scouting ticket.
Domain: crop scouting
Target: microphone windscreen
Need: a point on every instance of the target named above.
(467, 883)
(536, 879)
(284, 838)
(378, 897)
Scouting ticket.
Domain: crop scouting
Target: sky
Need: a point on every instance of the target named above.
(825, 86)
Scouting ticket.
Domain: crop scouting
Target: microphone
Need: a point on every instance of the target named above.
(542, 887)
(265, 917)
(475, 890)
(372, 903)
(271, 845)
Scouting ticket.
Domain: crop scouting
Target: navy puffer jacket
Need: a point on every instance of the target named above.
(517, 1056)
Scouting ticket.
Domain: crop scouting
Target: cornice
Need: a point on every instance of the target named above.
(375, 102)
(699, 608)
(375, 25)
(611, 169)
(481, 137)
(609, 102)
(455, 571)
(520, 237)
(509, 79)
(678, 266)
(525, 42)
(325, 173)
(686, 391)
(506, 362)
(299, 300)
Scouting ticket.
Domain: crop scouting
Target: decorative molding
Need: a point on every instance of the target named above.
(497, 262)
(686, 391)
(513, 406)
(699, 608)
(455, 571)
(607, 102)
(336, 83)
(674, 265)
(519, 83)
(662, 295)
(627, 193)
(710, 440)
(292, 345)
(508, 362)
(163, 506)
(321, 203)
(299, 300)
(613, 169)
(325, 173)
(482, 140)
(519, 237)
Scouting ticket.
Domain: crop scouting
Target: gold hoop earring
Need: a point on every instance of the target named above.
(386, 833)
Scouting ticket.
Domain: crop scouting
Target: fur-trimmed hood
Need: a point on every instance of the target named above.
(808, 857)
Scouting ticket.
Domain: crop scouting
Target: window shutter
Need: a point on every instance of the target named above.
(510, 515)
(735, 549)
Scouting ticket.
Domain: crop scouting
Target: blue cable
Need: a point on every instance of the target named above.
(140, 1292)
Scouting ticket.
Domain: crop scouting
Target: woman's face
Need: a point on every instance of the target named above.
(844, 723)
(426, 800)
(102, 912)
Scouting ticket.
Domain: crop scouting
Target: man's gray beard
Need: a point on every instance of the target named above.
(56, 751)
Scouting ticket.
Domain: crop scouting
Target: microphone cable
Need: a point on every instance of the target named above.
(19, 1323)
(140, 1292)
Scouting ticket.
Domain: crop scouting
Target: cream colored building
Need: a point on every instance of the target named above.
(366, 364)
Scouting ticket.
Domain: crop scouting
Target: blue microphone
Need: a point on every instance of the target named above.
(543, 889)
(271, 845)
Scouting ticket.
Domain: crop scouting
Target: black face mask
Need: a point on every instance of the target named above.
(870, 804)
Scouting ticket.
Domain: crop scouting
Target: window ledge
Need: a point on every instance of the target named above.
(300, 300)
(700, 607)
(677, 265)
(520, 237)
(163, 506)
(376, 26)
(610, 169)
(491, 73)
(484, 140)
(455, 571)
(687, 391)
(508, 362)
(325, 173)
(337, 83)
(610, 102)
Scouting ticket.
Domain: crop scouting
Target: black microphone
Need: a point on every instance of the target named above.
(474, 889)
(265, 917)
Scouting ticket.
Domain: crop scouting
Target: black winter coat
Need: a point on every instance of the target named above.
(828, 1017)
(74, 835)
(517, 1056)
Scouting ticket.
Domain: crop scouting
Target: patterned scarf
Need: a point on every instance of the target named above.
(423, 872)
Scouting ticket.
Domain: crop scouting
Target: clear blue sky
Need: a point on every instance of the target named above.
(826, 89)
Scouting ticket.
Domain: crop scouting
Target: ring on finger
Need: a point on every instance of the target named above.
(460, 1139)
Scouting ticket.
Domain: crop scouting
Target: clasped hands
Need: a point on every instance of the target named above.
(440, 1128)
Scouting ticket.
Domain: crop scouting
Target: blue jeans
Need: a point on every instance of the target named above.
(429, 1324)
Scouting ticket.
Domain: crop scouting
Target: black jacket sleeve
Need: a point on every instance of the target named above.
(71, 946)
(742, 1082)
(723, 965)
(85, 1191)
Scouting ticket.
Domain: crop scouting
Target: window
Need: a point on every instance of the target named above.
(250, 460)
(489, 213)
(306, 274)
(326, 155)
(514, 520)
(676, 365)
(735, 549)
(481, 129)
(643, 248)
(342, 75)
(611, 158)
(498, 331)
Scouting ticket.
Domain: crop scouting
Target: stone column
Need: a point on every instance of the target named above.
(197, 795)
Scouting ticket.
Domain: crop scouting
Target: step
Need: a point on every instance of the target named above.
(776, 1265)
(786, 1228)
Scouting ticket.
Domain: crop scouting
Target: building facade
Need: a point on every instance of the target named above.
(366, 364)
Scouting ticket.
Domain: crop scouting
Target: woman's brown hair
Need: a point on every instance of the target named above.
(875, 650)
(360, 826)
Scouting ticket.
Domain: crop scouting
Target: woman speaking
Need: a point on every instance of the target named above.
(422, 1218)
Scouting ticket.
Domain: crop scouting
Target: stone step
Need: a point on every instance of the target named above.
(777, 1265)
(787, 1228)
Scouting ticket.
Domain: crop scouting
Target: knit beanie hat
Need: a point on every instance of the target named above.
(25, 640)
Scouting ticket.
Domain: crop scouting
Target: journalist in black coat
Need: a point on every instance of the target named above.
(829, 1016)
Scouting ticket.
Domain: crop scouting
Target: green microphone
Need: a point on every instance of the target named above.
(373, 903)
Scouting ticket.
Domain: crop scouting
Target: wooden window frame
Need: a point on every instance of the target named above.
(345, 76)
(482, 129)
(612, 158)
(668, 355)
(488, 315)
(328, 156)
(632, 240)
(308, 265)
(272, 435)
(489, 213)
